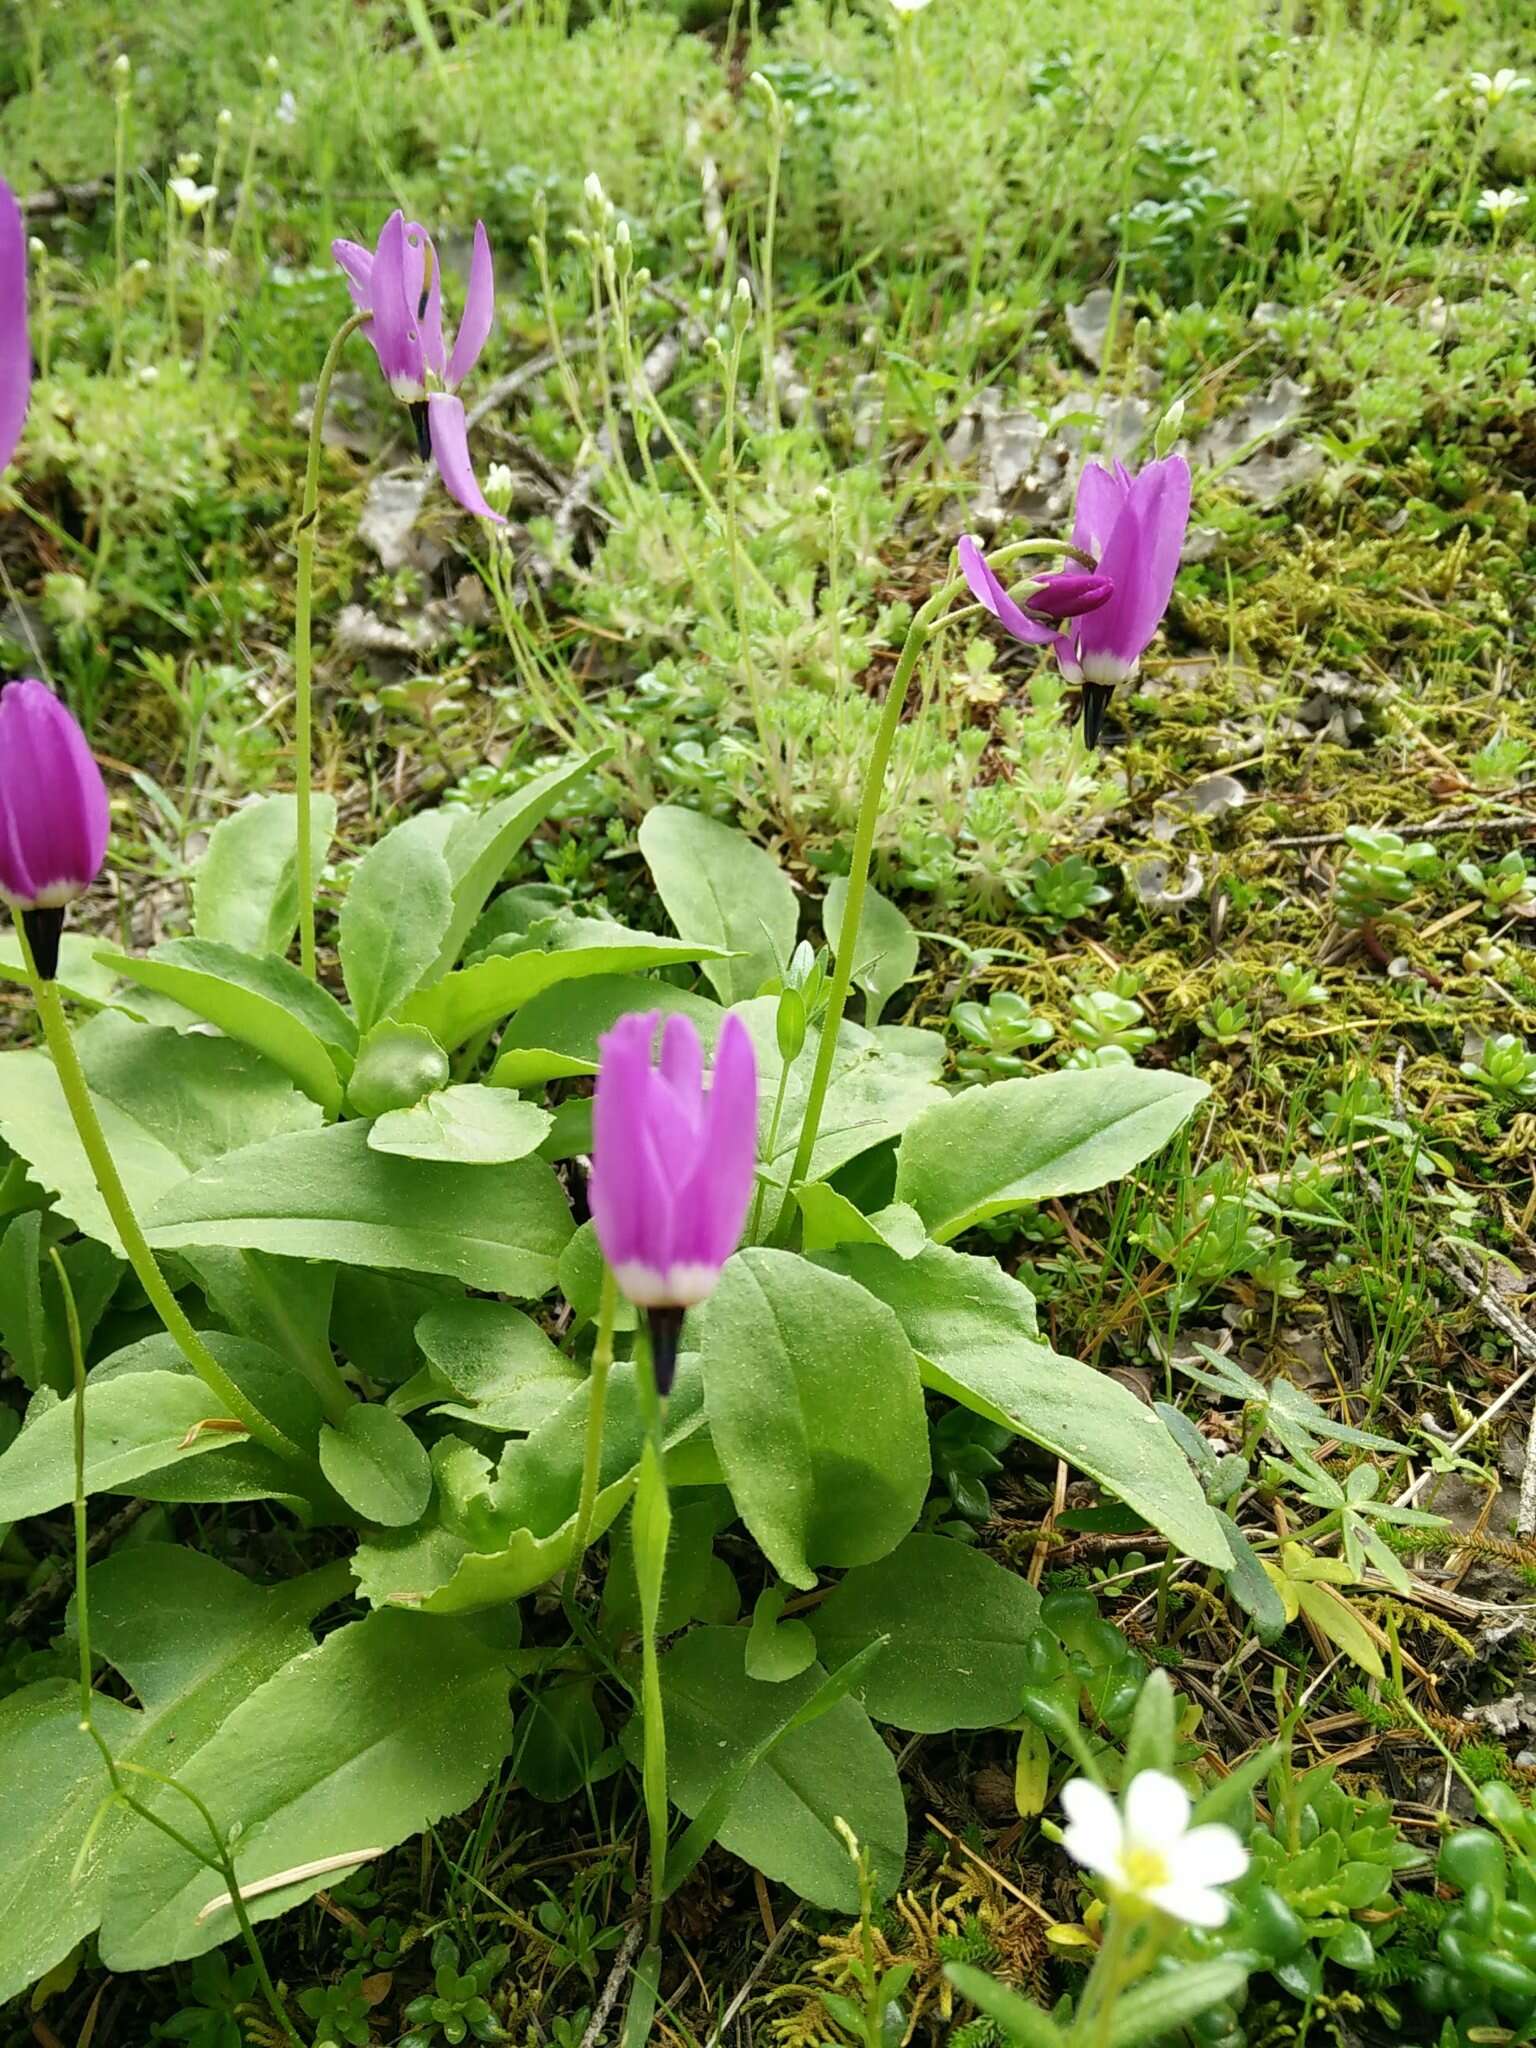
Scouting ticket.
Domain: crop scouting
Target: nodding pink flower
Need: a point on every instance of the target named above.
(672, 1166)
(1134, 528)
(54, 815)
(15, 353)
(400, 283)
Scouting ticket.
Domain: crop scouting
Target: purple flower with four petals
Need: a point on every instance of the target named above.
(672, 1166)
(1133, 527)
(15, 352)
(400, 283)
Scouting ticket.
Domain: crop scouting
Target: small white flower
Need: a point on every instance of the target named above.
(190, 196)
(1498, 207)
(1491, 91)
(286, 112)
(498, 487)
(1150, 1852)
(909, 6)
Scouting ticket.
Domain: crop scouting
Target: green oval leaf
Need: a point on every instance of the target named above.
(258, 998)
(326, 1193)
(395, 917)
(790, 1353)
(973, 1328)
(245, 892)
(468, 1125)
(783, 1816)
(992, 1149)
(721, 888)
(958, 1625)
(377, 1464)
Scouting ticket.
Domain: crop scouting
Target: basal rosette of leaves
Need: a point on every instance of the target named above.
(365, 1203)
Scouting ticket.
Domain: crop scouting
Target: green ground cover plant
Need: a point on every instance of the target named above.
(767, 1041)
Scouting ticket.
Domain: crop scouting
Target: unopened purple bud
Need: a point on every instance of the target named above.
(673, 1164)
(1070, 594)
(54, 815)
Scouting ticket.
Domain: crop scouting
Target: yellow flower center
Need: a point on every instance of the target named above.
(1144, 1869)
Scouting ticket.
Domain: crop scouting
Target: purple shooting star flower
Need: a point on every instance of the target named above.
(1134, 527)
(672, 1166)
(400, 283)
(15, 353)
(53, 814)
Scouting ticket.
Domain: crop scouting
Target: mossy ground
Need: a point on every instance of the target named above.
(1267, 194)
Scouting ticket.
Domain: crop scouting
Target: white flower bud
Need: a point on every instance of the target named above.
(1169, 428)
(498, 488)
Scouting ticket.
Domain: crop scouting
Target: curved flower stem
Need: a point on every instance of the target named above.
(597, 1405)
(773, 1138)
(93, 1143)
(652, 1527)
(918, 635)
(302, 660)
(1119, 1965)
(220, 1858)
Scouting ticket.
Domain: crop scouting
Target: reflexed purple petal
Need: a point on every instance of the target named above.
(479, 308)
(357, 262)
(15, 351)
(393, 331)
(1070, 593)
(989, 592)
(54, 814)
(1100, 499)
(450, 447)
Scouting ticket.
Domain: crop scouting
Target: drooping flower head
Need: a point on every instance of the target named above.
(400, 283)
(1148, 1854)
(672, 1165)
(15, 352)
(1133, 527)
(53, 813)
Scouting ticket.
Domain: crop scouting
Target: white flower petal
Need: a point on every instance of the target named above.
(1208, 1855)
(1192, 1904)
(1094, 1835)
(1156, 1810)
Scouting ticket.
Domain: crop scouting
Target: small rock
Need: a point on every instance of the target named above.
(388, 522)
(1088, 325)
(1264, 476)
(1157, 889)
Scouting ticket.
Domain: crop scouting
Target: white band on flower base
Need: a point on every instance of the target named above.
(677, 1287)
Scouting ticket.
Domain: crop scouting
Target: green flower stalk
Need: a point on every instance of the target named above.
(303, 653)
(672, 1172)
(53, 839)
(919, 633)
